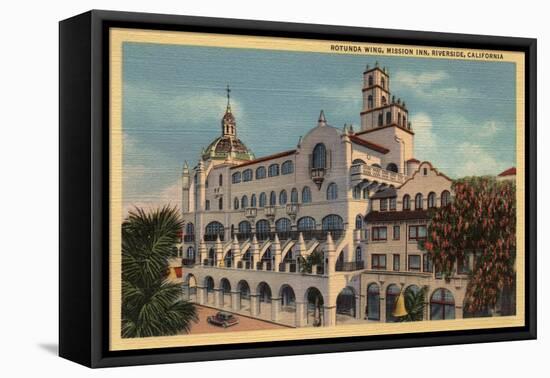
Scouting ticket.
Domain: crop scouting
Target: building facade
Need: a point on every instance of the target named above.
(322, 234)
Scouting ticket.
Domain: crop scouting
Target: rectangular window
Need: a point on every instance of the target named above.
(414, 263)
(207, 205)
(378, 261)
(379, 233)
(428, 264)
(462, 265)
(417, 232)
(396, 232)
(384, 204)
(393, 203)
(396, 262)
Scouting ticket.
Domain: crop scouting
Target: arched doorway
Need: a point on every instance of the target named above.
(267, 260)
(442, 305)
(211, 257)
(392, 293)
(314, 309)
(373, 302)
(244, 295)
(228, 259)
(288, 304)
(226, 292)
(264, 299)
(209, 285)
(345, 304)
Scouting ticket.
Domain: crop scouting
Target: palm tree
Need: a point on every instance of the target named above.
(414, 303)
(151, 305)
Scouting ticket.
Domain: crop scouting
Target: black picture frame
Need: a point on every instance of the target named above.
(84, 189)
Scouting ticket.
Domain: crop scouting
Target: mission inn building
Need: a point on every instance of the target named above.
(357, 200)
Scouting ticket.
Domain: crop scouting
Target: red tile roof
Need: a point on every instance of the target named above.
(366, 143)
(508, 172)
(265, 158)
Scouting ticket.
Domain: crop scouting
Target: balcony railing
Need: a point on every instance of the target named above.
(188, 238)
(187, 262)
(213, 237)
(292, 210)
(351, 266)
(269, 211)
(250, 212)
(379, 173)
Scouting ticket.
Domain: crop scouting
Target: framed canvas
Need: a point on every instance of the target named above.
(233, 188)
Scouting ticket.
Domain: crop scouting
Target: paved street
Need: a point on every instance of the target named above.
(245, 323)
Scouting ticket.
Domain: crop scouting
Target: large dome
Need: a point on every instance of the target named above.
(227, 146)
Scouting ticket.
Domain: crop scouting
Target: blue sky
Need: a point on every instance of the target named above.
(462, 112)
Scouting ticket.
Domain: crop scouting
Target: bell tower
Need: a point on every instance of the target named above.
(229, 125)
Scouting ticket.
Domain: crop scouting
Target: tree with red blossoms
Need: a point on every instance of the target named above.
(479, 221)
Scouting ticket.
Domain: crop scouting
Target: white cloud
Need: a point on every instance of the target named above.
(424, 133)
(489, 128)
(188, 107)
(411, 79)
(475, 160)
(169, 196)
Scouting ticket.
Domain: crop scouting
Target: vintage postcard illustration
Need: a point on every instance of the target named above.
(268, 189)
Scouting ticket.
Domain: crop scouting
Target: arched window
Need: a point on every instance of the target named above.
(406, 202)
(236, 203)
(247, 175)
(262, 227)
(282, 197)
(370, 102)
(332, 191)
(244, 202)
(380, 119)
(384, 101)
(404, 121)
(287, 167)
(376, 165)
(294, 196)
(383, 82)
(272, 199)
(445, 198)
(220, 180)
(236, 177)
(391, 298)
(431, 200)
(399, 118)
(442, 305)
(306, 194)
(388, 118)
(263, 199)
(333, 222)
(260, 173)
(220, 204)
(370, 81)
(253, 200)
(418, 201)
(273, 170)
(319, 156)
(189, 229)
(357, 161)
(214, 228)
(245, 227)
(358, 254)
(306, 223)
(358, 222)
(282, 225)
(373, 302)
(392, 167)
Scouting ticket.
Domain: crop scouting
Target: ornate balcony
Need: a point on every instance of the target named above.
(250, 212)
(369, 173)
(318, 176)
(351, 266)
(292, 210)
(269, 212)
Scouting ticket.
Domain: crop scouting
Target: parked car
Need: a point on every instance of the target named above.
(223, 319)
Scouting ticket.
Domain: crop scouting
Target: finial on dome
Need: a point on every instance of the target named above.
(322, 120)
(228, 90)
